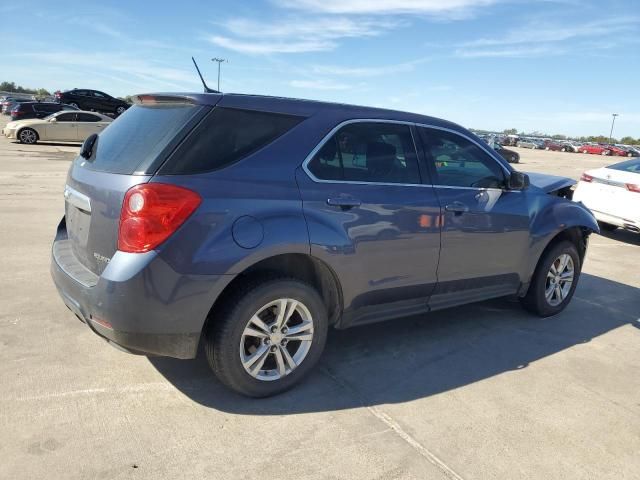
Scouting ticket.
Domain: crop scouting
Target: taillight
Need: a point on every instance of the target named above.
(633, 187)
(586, 178)
(151, 213)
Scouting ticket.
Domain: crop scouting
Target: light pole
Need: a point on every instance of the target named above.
(612, 124)
(220, 61)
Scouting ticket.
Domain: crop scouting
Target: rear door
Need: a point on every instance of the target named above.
(371, 218)
(88, 124)
(485, 227)
(101, 102)
(122, 155)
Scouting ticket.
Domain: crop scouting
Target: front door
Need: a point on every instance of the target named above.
(64, 128)
(372, 219)
(485, 228)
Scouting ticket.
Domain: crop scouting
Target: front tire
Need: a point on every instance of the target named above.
(120, 110)
(28, 136)
(267, 337)
(554, 280)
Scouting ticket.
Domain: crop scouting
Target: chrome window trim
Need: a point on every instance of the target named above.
(334, 130)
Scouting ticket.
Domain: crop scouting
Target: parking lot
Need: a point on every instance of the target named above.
(478, 392)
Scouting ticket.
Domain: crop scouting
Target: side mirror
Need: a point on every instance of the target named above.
(518, 181)
(53, 120)
(87, 146)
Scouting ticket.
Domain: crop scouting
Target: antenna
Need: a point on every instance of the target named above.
(206, 89)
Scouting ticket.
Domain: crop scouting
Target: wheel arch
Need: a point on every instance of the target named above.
(30, 127)
(299, 266)
(562, 220)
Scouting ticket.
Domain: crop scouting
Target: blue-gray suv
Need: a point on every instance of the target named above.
(253, 224)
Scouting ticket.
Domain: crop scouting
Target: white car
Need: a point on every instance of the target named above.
(63, 126)
(613, 195)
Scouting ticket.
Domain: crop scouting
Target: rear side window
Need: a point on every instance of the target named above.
(139, 136)
(375, 152)
(87, 117)
(47, 108)
(226, 136)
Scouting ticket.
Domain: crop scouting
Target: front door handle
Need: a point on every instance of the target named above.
(457, 208)
(345, 203)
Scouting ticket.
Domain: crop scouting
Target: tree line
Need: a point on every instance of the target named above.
(12, 87)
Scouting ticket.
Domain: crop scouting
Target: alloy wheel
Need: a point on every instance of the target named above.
(28, 136)
(276, 339)
(559, 280)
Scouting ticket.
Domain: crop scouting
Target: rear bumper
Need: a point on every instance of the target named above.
(626, 223)
(139, 303)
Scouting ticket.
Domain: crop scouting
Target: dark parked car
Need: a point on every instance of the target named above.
(555, 146)
(92, 100)
(253, 224)
(509, 155)
(24, 111)
(10, 103)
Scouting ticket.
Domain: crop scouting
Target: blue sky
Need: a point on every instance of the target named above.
(553, 66)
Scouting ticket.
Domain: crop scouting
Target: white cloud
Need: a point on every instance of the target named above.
(377, 71)
(261, 47)
(385, 6)
(539, 38)
(294, 34)
(319, 85)
(509, 52)
(147, 75)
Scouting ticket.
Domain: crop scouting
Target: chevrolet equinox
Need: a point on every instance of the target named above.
(253, 224)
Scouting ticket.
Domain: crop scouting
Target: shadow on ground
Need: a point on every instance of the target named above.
(621, 235)
(405, 359)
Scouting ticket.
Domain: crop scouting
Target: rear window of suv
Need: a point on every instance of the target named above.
(139, 136)
(225, 136)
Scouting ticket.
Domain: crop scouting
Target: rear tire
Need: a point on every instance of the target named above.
(607, 227)
(545, 279)
(233, 337)
(120, 110)
(75, 105)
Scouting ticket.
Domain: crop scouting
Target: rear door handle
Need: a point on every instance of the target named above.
(345, 203)
(457, 208)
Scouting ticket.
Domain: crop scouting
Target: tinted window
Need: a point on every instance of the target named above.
(46, 107)
(460, 162)
(66, 117)
(138, 136)
(632, 166)
(99, 95)
(79, 92)
(368, 152)
(226, 136)
(87, 117)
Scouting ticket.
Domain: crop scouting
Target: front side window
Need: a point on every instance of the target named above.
(66, 117)
(460, 162)
(99, 94)
(375, 152)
